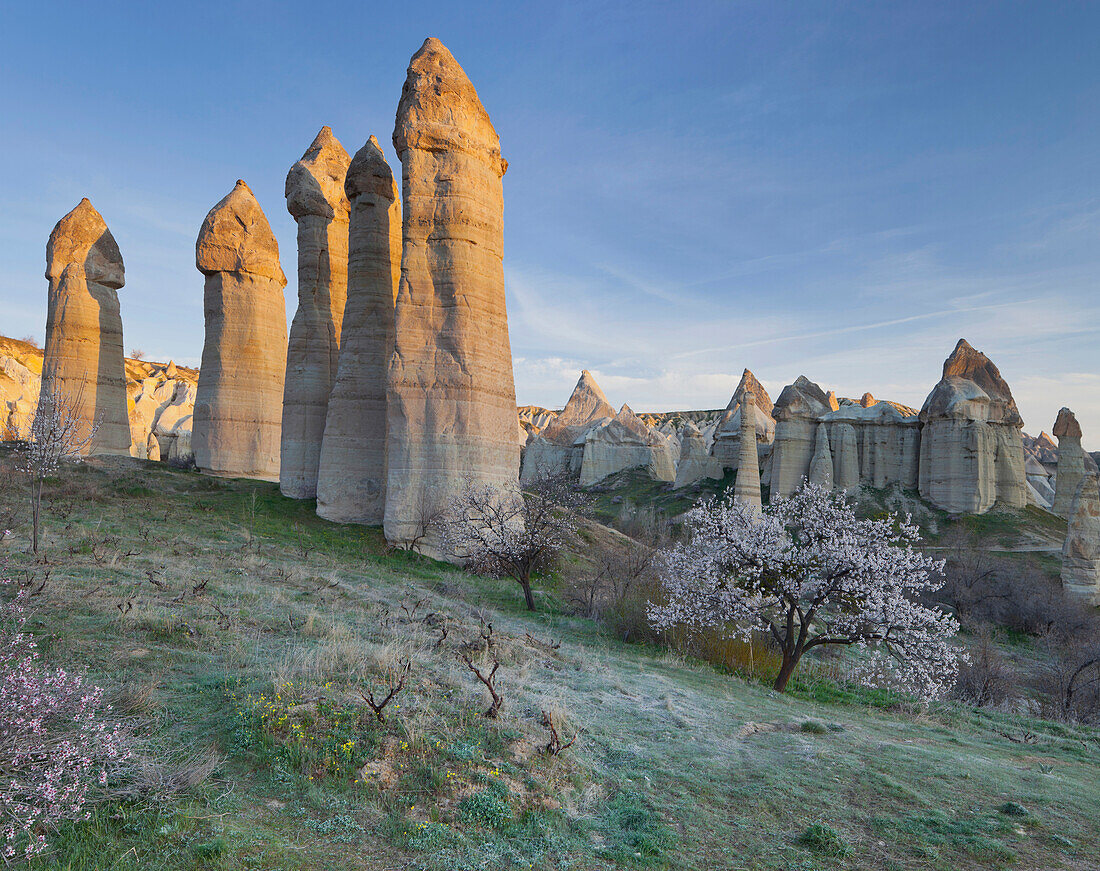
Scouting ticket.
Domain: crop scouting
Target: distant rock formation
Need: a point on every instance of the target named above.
(1081, 551)
(1071, 462)
(238, 405)
(351, 486)
(559, 446)
(797, 411)
(727, 435)
(972, 454)
(626, 442)
(315, 197)
(83, 363)
(695, 463)
(452, 401)
(746, 487)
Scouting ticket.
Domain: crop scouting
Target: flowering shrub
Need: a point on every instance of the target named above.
(57, 750)
(807, 572)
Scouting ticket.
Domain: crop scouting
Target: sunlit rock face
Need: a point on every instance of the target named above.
(239, 400)
(451, 401)
(797, 411)
(315, 197)
(83, 362)
(558, 448)
(1081, 550)
(626, 442)
(874, 444)
(695, 463)
(351, 487)
(746, 487)
(1071, 462)
(971, 452)
(726, 445)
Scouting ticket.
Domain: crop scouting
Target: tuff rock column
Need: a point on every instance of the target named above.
(821, 466)
(746, 487)
(83, 360)
(1071, 462)
(1081, 550)
(452, 405)
(238, 403)
(351, 485)
(315, 197)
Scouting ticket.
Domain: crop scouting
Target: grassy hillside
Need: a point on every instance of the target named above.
(229, 619)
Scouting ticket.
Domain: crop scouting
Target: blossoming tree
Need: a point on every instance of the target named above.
(498, 532)
(807, 572)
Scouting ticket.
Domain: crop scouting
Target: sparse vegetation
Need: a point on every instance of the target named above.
(677, 764)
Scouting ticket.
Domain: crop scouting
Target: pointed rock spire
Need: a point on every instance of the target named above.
(83, 361)
(587, 403)
(315, 197)
(1071, 462)
(746, 488)
(351, 485)
(238, 403)
(452, 398)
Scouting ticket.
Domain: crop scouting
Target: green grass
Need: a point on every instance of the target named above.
(676, 766)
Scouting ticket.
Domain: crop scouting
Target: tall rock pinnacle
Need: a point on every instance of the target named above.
(315, 197)
(351, 485)
(83, 363)
(238, 404)
(1071, 462)
(452, 406)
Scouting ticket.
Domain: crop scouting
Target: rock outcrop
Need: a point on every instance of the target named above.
(559, 446)
(695, 463)
(315, 197)
(797, 411)
(971, 452)
(452, 401)
(238, 406)
(886, 441)
(746, 487)
(83, 359)
(726, 445)
(1081, 551)
(1071, 462)
(351, 486)
(821, 466)
(626, 442)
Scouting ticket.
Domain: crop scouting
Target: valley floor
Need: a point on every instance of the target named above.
(198, 596)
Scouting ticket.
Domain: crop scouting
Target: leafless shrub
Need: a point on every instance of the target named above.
(1070, 677)
(429, 516)
(137, 354)
(488, 679)
(395, 683)
(555, 745)
(616, 572)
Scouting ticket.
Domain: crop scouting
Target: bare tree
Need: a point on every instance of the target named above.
(137, 354)
(499, 532)
(60, 432)
(429, 515)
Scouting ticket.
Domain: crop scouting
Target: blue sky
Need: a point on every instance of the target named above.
(839, 190)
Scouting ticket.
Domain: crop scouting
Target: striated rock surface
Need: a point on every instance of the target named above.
(626, 442)
(746, 487)
(726, 445)
(351, 486)
(886, 441)
(971, 452)
(1071, 462)
(796, 413)
(695, 462)
(315, 197)
(83, 358)
(238, 406)
(452, 402)
(821, 466)
(1081, 551)
(559, 447)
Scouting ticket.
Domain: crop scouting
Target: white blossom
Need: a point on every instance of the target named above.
(807, 572)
